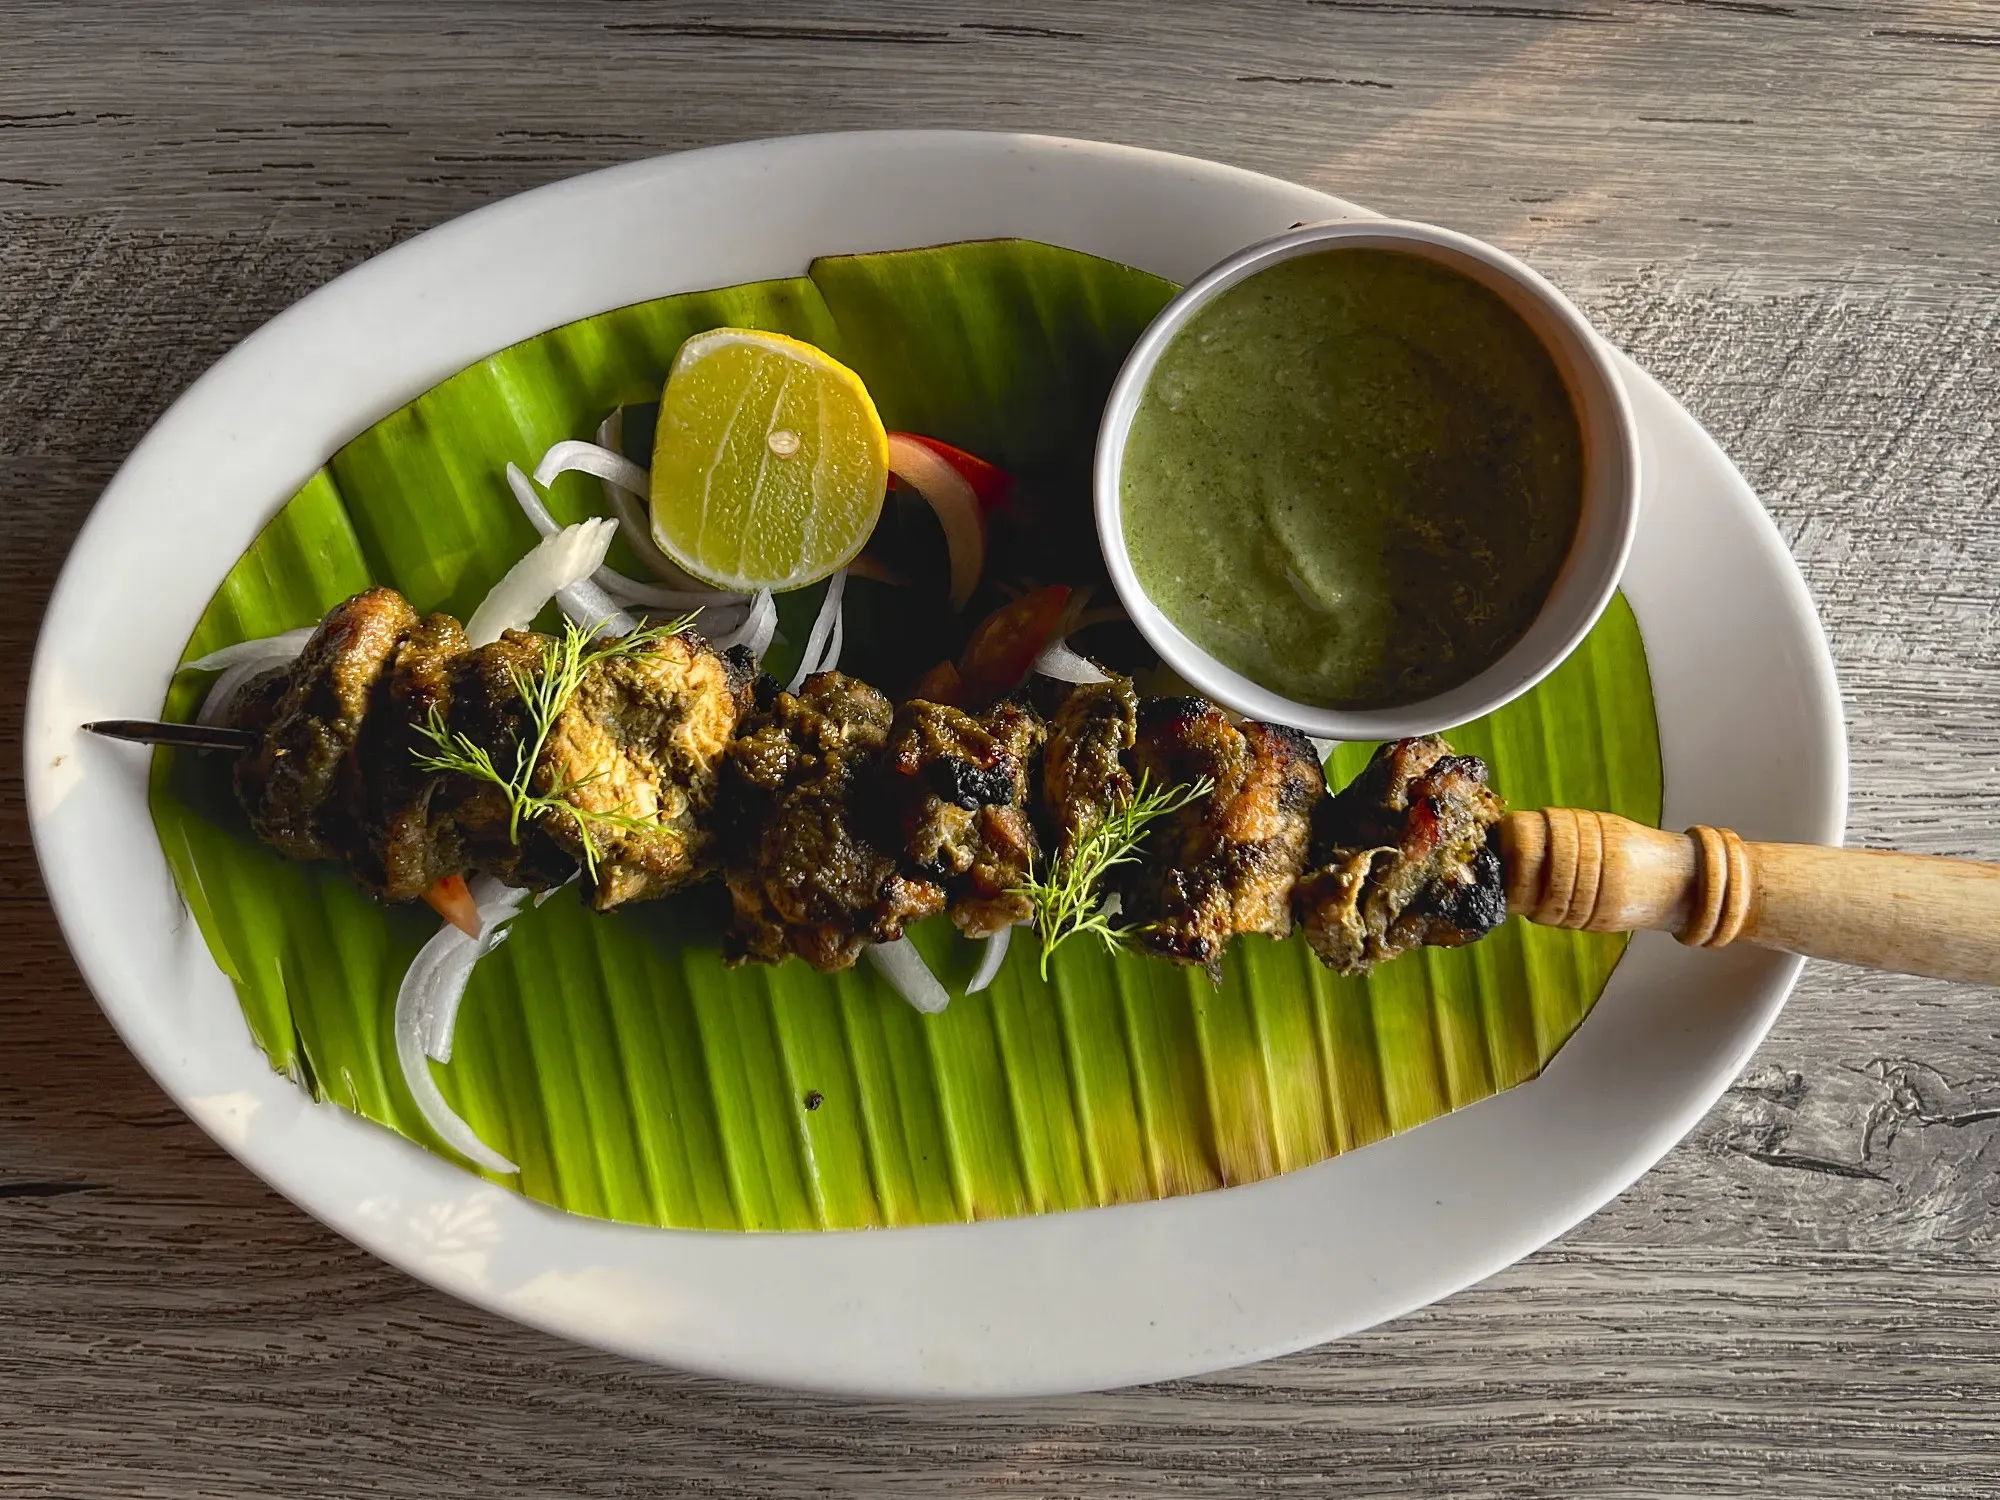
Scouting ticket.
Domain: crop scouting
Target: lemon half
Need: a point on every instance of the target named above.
(769, 463)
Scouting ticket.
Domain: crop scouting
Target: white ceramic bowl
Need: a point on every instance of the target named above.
(1589, 575)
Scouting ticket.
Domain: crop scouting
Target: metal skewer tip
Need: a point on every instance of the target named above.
(186, 736)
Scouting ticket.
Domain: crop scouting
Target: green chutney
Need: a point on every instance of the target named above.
(1353, 477)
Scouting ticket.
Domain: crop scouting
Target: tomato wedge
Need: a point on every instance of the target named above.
(451, 898)
(1005, 645)
(990, 485)
(941, 684)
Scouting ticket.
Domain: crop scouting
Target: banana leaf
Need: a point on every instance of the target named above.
(636, 1077)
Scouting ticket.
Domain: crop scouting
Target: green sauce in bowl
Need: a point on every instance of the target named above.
(1353, 477)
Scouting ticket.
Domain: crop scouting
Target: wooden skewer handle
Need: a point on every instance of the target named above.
(1907, 913)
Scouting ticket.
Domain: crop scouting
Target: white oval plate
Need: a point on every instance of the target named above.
(1750, 729)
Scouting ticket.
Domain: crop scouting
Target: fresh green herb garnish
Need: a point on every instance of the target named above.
(1067, 899)
(546, 694)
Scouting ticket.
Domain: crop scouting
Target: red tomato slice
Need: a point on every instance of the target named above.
(941, 684)
(1005, 645)
(451, 898)
(991, 485)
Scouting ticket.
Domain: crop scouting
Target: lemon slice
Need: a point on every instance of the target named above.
(769, 464)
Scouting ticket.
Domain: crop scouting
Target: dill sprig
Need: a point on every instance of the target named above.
(545, 694)
(1067, 897)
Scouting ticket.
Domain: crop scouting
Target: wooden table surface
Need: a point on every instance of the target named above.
(1787, 209)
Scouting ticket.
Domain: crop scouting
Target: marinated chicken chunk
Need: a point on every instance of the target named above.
(255, 705)
(301, 787)
(956, 791)
(1401, 859)
(1224, 863)
(804, 876)
(1084, 772)
(837, 820)
(408, 838)
(485, 706)
(641, 741)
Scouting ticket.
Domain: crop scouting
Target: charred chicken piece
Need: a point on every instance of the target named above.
(408, 839)
(804, 877)
(643, 737)
(256, 703)
(955, 792)
(1401, 859)
(301, 787)
(484, 705)
(1225, 863)
(1084, 773)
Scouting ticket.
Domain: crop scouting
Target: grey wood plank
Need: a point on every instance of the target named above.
(1784, 137)
(1784, 209)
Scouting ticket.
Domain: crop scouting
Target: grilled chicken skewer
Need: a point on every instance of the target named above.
(1565, 867)
(836, 819)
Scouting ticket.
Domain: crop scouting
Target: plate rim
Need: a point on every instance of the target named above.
(461, 1257)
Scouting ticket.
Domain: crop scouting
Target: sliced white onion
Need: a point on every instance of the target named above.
(588, 605)
(221, 695)
(721, 619)
(541, 896)
(650, 596)
(241, 662)
(990, 961)
(905, 969)
(834, 647)
(588, 458)
(562, 559)
(265, 651)
(1065, 665)
(757, 628)
(497, 904)
(616, 587)
(427, 1011)
(949, 494)
(822, 632)
(530, 502)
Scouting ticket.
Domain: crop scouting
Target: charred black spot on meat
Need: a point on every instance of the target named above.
(742, 664)
(1403, 857)
(1225, 863)
(969, 786)
(954, 793)
(1472, 909)
(256, 702)
(1164, 715)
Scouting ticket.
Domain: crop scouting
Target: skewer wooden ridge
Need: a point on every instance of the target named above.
(1910, 913)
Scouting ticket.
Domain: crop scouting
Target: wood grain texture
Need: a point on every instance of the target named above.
(1785, 210)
